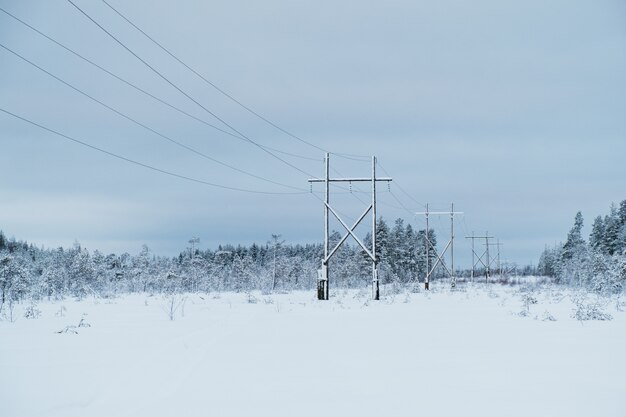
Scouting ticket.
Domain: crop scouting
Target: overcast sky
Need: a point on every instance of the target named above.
(514, 111)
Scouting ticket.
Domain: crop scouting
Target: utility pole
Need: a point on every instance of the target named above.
(479, 259)
(194, 241)
(322, 285)
(498, 244)
(473, 254)
(497, 258)
(452, 244)
(429, 245)
(488, 262)
(375, 286)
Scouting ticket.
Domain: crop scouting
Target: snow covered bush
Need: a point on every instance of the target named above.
(32, 312)
(173, 303)
(546, 316)
(589, 309)
(528, 299)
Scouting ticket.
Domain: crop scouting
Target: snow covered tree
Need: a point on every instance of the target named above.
(575, 242)
(278, 261)
(13, 279)
(3, 241)
(398, 250)
(596, 238)
(54, 281)
(611, 231)
(81, 272)
(382, 240)
(244, 273)
(547, 263)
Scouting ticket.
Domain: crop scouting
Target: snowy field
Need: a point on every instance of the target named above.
(463, 353)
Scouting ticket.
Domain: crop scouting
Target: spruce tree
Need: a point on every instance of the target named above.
(574, 239)
(596, 238)
(611, 231)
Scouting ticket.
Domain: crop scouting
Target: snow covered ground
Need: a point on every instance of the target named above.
(441, 353)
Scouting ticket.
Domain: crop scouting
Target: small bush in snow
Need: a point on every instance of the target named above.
(589, 310)
(32, 312)
(528, 300)
(172, 303)
(492, 293)
(82, 322)
(407, 298)
(546, 316)
(68, 330)
(361, 293)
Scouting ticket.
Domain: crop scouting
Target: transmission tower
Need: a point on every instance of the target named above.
(487, 263)
(322, 283)
(428, 244)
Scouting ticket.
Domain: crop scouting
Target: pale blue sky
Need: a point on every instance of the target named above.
(513, 110)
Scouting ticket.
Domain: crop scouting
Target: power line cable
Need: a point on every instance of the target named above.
(177, 143)
(229, 96)
(402, 206)
(402, 189)
(141, 90)
(141, 164)
(184, 93)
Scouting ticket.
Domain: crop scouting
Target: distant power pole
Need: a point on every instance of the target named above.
(322, 285)
(497, 259)
(473, 253)
(194, 241)
(499, 265)
(429, 245)
(479, 259)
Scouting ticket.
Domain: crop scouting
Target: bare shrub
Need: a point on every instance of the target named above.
(32, 312)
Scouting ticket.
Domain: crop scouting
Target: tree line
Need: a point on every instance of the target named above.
(598, 264)
(27, 271)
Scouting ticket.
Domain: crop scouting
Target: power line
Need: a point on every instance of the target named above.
(229, 96)
(184, 93)
(402, 189)
(141, 164)
(141, 90)
(402, 206)
(177, 143)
